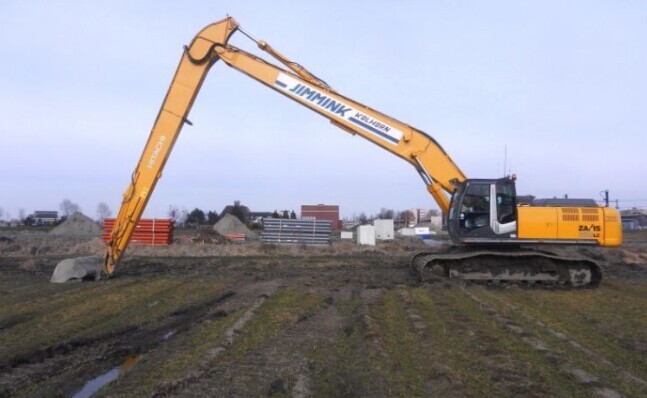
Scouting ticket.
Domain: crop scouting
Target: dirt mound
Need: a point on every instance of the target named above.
(78, 225)
(633, 258)
(229, 224)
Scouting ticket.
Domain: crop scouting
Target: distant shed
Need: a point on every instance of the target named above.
(44, 217)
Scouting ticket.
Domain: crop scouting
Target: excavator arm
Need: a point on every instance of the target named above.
(439, 173)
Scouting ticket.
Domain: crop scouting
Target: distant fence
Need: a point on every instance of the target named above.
(148, 231)
(311, 232)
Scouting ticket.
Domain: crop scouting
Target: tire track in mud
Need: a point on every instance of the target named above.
(438, 383)
(81, 359)
(563, 336)
(566, 366)
(278, 366)
(172, 388)
(103, 351)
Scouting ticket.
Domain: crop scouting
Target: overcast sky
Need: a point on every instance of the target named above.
(562, 84)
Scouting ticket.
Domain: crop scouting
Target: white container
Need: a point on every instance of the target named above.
(366, 235)
(383, 229)
(437, 221)
(422, 230)
(407, 231)
(347, 234)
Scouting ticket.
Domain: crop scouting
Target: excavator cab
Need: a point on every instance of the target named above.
(483, 210)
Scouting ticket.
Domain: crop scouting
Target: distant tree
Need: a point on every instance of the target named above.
(173, 212)
(286, 214)
(21, 215)
(525, 199)
(363, 219)
(293, 215)
(385, 214)
(68, 208)
(29, 220)
(275, 214)
(406, 216)
(1, 213)
(238, 211)
(433, 213)
(196, 217)
(103, 212)
(184, 214)
(212, 217)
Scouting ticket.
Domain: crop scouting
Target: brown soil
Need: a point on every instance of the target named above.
(340, 320)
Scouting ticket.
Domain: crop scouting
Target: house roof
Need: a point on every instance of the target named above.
(45, 214)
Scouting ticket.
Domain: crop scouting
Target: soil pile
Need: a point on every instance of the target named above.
(229, 224)
(78, 225)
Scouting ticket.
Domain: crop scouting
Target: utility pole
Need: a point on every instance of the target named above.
(606, 198)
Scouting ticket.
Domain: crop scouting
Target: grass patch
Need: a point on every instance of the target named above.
(98, 309)
(277, 313)
(173, 360)
(480, 356)
(609, 320)
(587, 328)
(345, 368)
(192, 354)
(407, 369)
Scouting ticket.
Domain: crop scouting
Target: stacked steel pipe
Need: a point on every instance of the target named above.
(311, 232)
(148, 231)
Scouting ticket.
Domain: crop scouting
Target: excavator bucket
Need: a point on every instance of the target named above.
(80, 268)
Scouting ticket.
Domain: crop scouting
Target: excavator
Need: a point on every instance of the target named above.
(495, 239)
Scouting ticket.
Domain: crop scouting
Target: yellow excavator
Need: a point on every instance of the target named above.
(484, 220)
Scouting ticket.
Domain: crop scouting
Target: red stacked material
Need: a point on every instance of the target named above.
(149, 231)
(237, 238)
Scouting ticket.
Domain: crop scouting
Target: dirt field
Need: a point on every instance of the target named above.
(225, 320)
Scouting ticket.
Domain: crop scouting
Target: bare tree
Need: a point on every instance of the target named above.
(184, 214)
(363, 219)
(21, 215)
(385, 214)
(173, 212)
(68, 208)
(103, 211)
(1, 213)
(177, 214)
(407, 217)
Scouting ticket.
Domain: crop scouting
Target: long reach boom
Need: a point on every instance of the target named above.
(439, 173)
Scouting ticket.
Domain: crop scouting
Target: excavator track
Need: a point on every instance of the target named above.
(526, 267)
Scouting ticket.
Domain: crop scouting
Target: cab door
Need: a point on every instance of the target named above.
(483, 209)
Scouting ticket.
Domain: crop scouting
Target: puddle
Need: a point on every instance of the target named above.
(432, 242)
(92, 386)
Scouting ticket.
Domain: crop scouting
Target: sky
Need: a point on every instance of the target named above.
(559, 86)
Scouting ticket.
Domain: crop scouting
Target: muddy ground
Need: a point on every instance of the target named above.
(338, 321)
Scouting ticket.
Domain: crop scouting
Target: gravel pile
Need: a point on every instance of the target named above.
(78, 225)
(229, 224)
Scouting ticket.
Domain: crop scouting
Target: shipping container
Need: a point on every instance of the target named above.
(383, 229)
(366, 235)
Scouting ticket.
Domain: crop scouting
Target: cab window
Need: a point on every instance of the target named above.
(505, 203)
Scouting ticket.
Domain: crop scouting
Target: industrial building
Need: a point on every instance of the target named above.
(322, 212)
